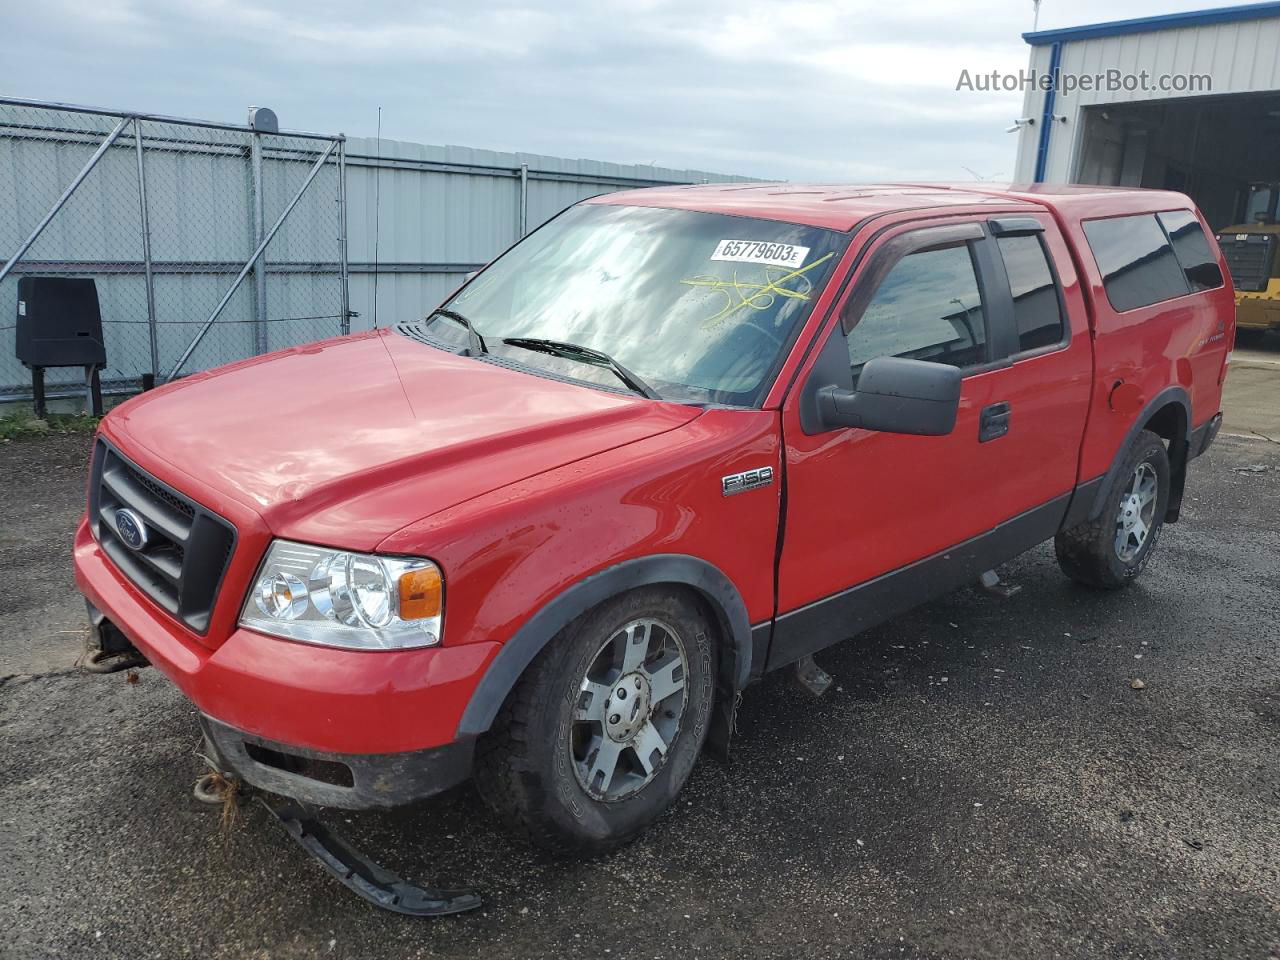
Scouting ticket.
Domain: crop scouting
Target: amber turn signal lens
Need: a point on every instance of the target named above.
(421, 594)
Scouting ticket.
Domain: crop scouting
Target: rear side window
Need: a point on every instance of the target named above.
(1137, 262)
(928, 307)
(1192, 249)
(1036, 309)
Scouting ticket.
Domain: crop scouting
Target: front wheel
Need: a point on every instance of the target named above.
(602, 731)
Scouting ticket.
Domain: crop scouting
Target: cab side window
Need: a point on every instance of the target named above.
(1192, 249)
(928, 307)
(1037, 312)
(1137, 262)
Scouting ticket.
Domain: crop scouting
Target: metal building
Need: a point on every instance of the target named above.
(1150, 117)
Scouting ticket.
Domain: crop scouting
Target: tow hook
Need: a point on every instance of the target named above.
(367, 879)
(107, 649)
(216, 789)
(106, 661)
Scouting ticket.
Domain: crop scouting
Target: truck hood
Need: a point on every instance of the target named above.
(346, 441)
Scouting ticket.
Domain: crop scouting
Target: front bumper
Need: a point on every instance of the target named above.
(382, 714)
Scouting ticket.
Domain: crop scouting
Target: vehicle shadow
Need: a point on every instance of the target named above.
(1264, 342)
(968, 653)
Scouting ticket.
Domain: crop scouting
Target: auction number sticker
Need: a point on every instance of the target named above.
(760, 251)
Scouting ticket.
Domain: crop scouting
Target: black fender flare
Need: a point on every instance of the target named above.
(1177, 448)
(536, 632)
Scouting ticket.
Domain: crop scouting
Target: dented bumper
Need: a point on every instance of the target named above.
(347, 781)
(334, 727)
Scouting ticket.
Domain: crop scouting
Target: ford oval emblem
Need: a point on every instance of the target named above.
(132, 529)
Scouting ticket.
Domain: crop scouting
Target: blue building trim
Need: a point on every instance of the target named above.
(1168, 21)
(1046, 120)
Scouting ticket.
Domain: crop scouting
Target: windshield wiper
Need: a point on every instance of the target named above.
(597, 358)
(460, 320)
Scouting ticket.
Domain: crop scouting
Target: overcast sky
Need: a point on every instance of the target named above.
(817, 90)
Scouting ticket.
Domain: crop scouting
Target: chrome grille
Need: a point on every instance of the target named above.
(185, 549)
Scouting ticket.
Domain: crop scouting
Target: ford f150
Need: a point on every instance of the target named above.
(672, 440)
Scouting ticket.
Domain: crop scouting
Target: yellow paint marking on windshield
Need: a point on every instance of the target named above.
(756, 296)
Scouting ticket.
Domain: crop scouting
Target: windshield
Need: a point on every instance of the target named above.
(700, 306)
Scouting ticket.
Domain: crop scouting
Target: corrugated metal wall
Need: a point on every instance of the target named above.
(1241, 57)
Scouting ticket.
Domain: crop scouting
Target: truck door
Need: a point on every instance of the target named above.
(878, 522)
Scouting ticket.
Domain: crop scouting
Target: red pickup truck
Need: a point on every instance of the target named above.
(672, 440)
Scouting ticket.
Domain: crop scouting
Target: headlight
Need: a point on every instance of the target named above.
(342, 599)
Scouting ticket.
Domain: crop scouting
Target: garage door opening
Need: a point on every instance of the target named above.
(1215, 149)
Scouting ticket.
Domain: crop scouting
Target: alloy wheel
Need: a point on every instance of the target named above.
(1137, 514)
(629, 707)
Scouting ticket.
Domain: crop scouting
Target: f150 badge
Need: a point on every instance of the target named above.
(747, 480)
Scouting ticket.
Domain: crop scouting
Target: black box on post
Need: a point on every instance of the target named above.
(59, 322)
(60, 325)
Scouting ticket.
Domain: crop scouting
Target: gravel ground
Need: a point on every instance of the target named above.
(42, 491)
(983, 781)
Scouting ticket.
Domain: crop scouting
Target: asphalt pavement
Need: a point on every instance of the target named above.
(982, 781)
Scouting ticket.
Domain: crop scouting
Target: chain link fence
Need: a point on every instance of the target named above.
(209, 243)
(166, 217)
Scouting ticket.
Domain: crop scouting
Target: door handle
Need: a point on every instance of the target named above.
(994, 422)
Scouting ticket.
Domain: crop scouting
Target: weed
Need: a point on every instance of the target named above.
(216, 787)
(25, 424)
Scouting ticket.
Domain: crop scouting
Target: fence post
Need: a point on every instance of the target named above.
(249, 264)
(524, 199)
(66, 195)
(146, 250)
(259, 228)
(344, 324)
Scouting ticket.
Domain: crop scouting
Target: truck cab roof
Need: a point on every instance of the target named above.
(843, 206)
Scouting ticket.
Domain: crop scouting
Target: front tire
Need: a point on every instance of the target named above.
(602, 731)
(1112, 550)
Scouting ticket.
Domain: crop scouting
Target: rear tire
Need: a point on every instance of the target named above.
(601, 732)
(1110, 551)
(1250, 336)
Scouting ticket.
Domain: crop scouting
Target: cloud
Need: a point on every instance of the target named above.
(779, 89)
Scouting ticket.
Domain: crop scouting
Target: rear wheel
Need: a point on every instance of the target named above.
(602, 731)
(1112, 550)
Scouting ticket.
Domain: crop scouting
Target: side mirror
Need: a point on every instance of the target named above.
(896, 395)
